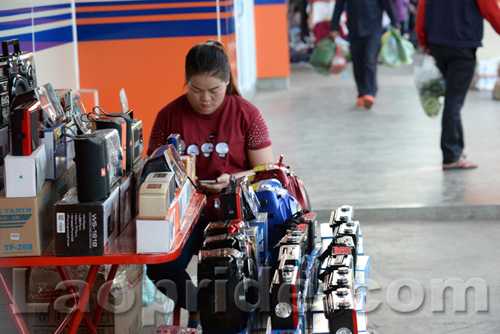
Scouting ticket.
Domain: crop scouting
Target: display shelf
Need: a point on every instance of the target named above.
(122, 250)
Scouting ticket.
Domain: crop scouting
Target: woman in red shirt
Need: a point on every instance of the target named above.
(225, 132)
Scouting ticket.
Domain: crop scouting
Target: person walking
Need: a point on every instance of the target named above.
(451, 31)
(364, 24)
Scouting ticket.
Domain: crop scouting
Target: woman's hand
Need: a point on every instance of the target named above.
(221, 182)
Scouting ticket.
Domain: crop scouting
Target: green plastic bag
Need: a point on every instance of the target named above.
(323, 53)
(396, 50)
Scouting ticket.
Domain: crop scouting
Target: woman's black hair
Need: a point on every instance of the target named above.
(211, 58)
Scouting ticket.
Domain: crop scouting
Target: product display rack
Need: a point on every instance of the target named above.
(122, 251)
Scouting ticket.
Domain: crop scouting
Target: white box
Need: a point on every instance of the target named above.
(362, 272)
(25, 175)
(155, 236)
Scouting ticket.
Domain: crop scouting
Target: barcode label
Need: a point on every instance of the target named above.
(14, 236)
(61, 226)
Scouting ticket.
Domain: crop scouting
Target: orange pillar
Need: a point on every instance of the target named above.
(271, 35)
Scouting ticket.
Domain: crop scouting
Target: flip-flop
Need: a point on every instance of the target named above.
(462, 163)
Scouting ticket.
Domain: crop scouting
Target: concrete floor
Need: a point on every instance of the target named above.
(420, 225)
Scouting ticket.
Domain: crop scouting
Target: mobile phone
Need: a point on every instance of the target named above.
(207, 181)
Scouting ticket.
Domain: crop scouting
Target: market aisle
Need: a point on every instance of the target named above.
(388, 157)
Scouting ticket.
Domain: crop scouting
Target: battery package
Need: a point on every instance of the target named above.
(85, 229)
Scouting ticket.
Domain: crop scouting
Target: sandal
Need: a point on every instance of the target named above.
(462, 163)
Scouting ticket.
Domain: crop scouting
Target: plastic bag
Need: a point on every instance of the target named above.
(430, 84)
(323, 53)
(338, 63)
(396, 50)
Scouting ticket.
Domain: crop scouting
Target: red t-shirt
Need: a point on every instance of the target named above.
(219, 140)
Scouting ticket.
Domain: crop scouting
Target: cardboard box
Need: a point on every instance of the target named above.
(55, 151)
(122, 312)
(25, 175)
(86, 228)
(362, 272)
(155, 236)
(27, 223)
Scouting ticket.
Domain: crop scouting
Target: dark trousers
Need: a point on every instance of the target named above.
(364, 52)
(458, 66)
(171, 277)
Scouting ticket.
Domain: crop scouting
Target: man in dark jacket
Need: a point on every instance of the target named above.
(364, 22)
(452, 30)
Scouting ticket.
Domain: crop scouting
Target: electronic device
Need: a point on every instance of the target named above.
(238, 241)
(223, 227)
(175, 139)
(343, 277)
(19, 70)
(4, 96)
(340, 311)
(228, 289)
(334, 262)
(238, 200)
(341, 215)
(350, 228)
(92, 167)
(25, 124)
(82, 124)
(120, 126)
(65, 98)
(133, 134)
(4, 150)
(53, 113)
(154, 200)
(286, 295)
(167, 177)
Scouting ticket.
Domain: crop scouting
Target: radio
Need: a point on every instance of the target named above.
(341, 215)
(65, 99)
(53, 113)
(226, 293)
(25, 124)
(340, 311)
(238, 241)
(340, 278)
(223, 227)
(4, 97)
(285, 298)
(133, 137)
(82, 125)
(238, 201)
(4, 149)
(334, 262)
(167, 177)
(137, 140)
(154, 199)
(119, 125)
(350, 228)
(19, 68)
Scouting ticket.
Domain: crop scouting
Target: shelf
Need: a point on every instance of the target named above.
(122, 250)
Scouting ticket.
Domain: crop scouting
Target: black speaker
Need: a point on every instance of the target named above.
(92, 175)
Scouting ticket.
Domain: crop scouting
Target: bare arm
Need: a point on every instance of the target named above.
(260, 156)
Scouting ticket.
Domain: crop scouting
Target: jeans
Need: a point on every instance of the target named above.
(458, 66)
(364, 52)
